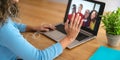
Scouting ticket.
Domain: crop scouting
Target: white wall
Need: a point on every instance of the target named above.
(61, 1)
(111, 5)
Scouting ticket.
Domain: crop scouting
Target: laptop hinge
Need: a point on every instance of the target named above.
(85, 32)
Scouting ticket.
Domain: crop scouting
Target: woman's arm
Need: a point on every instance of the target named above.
(22, 48)
(21, 27)
(11, 38)
(27, 28)
(43, 28)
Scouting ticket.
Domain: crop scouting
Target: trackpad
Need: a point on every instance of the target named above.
(55, 35)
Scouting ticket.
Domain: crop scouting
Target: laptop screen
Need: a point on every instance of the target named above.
(90, 12)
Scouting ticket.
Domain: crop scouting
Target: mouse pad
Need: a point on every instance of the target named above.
(105, 53)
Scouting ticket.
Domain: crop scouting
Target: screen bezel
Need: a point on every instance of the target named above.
(102, 6)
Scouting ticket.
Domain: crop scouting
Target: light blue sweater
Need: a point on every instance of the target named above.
(13, 44)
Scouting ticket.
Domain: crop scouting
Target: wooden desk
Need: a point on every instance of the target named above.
(35, 12)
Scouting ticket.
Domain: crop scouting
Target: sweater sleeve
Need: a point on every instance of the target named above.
(21, 27)
(22, 48)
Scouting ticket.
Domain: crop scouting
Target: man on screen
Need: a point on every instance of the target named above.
(73, 11)
(79, 12)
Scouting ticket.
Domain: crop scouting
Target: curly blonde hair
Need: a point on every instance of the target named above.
(7, 9)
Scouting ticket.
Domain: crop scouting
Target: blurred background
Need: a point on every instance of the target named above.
(51, 11)
(111, 5)
(36, 12)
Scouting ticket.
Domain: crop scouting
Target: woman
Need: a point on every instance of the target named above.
(13, 44)
(92, 19)
(85, 18)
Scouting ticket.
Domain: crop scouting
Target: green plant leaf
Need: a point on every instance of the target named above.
(112, 22)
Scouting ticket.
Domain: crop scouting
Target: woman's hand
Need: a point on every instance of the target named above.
(72, 30)
(42, 28)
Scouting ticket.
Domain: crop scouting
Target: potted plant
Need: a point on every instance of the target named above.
(112, 25)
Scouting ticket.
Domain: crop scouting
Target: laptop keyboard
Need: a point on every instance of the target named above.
(60, 28)
(80, 36)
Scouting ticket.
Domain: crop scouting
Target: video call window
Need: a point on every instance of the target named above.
(87, 10)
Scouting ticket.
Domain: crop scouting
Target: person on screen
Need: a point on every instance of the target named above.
(73, 11)
(85, 18)
(13, 44)
(92, 19)
(80, 11)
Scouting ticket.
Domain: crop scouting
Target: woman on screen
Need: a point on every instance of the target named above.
(85, 18)
(92, 19)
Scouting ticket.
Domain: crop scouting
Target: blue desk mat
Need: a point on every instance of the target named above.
(105, 53)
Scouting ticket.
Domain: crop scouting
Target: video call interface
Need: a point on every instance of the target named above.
(87, 10)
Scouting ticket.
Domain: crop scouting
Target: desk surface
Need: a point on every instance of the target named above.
(36, 12)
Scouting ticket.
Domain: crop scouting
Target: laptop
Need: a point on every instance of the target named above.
(90, 12)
